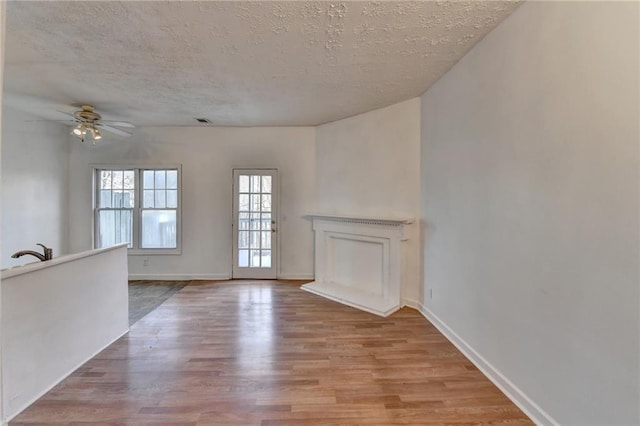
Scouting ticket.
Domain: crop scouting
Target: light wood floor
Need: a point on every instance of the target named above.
(267, 353)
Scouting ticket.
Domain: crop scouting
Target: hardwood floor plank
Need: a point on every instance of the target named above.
(268, 353)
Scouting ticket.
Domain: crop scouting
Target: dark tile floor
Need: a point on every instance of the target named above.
(145, 296)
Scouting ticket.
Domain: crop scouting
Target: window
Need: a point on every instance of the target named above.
(139, 206)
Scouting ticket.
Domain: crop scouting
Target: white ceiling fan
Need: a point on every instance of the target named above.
(89, 122)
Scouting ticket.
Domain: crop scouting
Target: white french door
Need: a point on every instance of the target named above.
(255, 201)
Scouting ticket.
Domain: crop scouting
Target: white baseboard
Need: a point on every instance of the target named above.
(179, 277)
(530, 408)
(296, 276)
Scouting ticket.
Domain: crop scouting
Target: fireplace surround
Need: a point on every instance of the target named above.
(358, 261)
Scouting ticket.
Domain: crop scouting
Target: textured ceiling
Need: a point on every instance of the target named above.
(236, 63)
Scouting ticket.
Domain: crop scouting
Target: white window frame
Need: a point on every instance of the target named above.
(137, 209)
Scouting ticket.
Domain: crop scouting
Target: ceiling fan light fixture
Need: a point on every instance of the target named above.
(88, 121)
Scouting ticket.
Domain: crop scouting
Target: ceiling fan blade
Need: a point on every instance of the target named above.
(69, 114)
(52, 121)
(112, 130)
(118, 123)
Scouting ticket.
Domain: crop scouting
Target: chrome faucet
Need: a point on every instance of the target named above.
(48, 253)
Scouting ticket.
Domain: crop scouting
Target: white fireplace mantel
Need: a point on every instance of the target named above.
(358, 261)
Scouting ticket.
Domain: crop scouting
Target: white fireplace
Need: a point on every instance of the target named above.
(358, 261)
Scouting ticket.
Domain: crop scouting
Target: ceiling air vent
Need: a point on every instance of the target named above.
(203, 120)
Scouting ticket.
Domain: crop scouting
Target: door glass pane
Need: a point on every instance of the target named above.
(266, 184)
(255, 183)
(243, 258)
(255, 220)
(266, 221)
(255, 240)
(243, 221)
(244, 183)
(254, 259)
(243, 202)
(255, 202)
(158, 229)
(266, 239)
(243, 239)
(266, 203)
(266, 258)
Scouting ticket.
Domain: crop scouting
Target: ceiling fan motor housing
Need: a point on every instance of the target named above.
(87, 114)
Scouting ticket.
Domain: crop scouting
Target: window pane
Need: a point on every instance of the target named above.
(172, 198)
(158, 229)
(122, 199)
(254, 259)
(243, 221)
(160, 198)
(129, 179)
(266, 258)
(244, 183)
(243, 239)
(160, 179)
(128, 198)
(266, 203)
(148, 199)
(105, 198)
(266, 184)
(172, 179)
(115, 227)
(148, 179)
(255, 183)
(118, 179)
(105, 179)
(255, 202)
(118, 199)
(243, 258)
(243, 202)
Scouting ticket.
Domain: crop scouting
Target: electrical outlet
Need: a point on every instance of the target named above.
(430, 293)
(145, 262)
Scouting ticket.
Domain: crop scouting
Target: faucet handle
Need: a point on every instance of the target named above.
(48, 253)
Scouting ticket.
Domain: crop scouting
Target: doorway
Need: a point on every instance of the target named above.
(255, 215)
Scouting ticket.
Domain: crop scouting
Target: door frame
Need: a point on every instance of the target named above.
(271, 273)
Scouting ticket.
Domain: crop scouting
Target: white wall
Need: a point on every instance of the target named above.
(530, 200)
(3, 15)
(208, 155)
(369, 165)
(34, 186)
